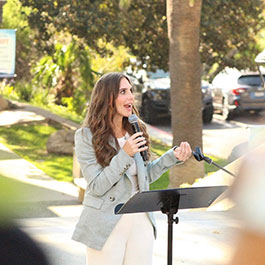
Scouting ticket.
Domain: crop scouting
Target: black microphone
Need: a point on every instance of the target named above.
(133, 120)
(199, 156)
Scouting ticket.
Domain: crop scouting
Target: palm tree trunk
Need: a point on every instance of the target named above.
(183, 18)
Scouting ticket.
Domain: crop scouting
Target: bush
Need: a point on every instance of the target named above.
(24, 90)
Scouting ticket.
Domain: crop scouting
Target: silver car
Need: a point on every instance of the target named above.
(234, 92)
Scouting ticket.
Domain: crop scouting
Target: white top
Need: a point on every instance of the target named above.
(132, 171)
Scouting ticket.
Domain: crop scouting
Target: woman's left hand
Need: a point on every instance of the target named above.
(183, 152)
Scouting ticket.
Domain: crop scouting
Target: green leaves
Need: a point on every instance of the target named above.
(228, 28)
(228, 32)
(65, 74)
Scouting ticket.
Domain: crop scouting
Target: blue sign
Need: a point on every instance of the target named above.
(7, 52)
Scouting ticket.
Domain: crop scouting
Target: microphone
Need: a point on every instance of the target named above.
(133, 120)
(199, 156)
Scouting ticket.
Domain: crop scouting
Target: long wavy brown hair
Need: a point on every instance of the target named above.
(100, 115)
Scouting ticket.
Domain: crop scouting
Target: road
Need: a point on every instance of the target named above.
(224, 139)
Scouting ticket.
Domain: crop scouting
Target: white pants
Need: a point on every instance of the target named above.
(130, 243)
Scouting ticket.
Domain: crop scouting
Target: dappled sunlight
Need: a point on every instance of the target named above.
(18, 116)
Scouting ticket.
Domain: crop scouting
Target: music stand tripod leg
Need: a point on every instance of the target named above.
(170, 210)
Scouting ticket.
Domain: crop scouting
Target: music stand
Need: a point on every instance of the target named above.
(169, 201)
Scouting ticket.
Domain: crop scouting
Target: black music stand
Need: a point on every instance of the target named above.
(169, 201)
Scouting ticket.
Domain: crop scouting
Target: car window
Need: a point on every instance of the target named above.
(251, 80)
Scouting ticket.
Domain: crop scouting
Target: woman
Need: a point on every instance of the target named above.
(109, 155)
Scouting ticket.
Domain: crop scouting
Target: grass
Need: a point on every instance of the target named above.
(158, 149)
(62, 111)
(29, 142)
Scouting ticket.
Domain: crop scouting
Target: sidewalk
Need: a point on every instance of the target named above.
(51, 210)
(201, 238)
(39, 192)
(26, 113)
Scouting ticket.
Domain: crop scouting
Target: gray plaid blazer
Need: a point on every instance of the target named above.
(109, 186)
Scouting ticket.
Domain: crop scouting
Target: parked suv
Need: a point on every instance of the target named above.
(155, 100)
(234, 92)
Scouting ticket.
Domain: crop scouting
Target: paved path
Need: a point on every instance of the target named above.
(221, 138)
(26, 113)
(37, 192)
(50, 210)
(200, 238)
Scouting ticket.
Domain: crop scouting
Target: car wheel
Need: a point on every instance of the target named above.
(207, 115)
(149, 114)
(226, 113)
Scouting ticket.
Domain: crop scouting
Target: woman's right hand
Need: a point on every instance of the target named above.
(135, 143)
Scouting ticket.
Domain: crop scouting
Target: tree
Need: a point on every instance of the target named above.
(229, 31)
(142, 26)
(228, 28)
(183, 18)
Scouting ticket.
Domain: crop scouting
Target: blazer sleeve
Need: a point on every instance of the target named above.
(160, 165)
(99, 179)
